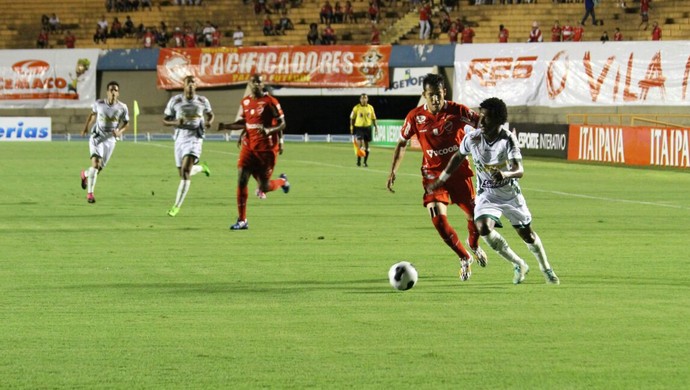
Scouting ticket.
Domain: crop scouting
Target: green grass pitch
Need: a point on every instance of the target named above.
(119, 295)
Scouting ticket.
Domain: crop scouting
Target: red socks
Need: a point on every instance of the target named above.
(449, 236)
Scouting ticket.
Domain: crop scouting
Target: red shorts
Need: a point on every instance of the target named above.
(259, 163)
(458, 189)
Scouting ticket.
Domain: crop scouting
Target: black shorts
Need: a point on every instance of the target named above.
(363, 133)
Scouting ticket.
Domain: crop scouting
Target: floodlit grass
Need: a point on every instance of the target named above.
(119, 295)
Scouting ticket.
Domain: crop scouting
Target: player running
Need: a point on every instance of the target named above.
(191, 115)
(439, 126)
(263, 120)
(111, 119)
(498, 162)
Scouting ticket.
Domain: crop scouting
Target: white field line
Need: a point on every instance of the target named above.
(560, 193)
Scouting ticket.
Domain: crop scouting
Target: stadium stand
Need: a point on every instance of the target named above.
(399, 24)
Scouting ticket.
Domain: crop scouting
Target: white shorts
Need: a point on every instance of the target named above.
(187, 143)
(506, 201)
(103, 149)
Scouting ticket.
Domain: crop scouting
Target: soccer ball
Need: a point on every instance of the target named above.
(402, 275)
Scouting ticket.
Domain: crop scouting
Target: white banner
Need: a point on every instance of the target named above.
(574, 74)
(405, 82)
(16, 128)
(61, 78)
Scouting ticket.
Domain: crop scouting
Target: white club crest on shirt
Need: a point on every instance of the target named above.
(421, 119)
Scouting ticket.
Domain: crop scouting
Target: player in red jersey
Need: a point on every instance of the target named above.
(439, 126)
(263, 119)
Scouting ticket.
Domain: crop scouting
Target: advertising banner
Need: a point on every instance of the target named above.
(542, 140)
(13, 128)
(303, 66)
(577, 74)
(625, 145)
(64, 78)
(405, 82)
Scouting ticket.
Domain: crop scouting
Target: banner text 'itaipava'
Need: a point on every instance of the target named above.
(642, 145)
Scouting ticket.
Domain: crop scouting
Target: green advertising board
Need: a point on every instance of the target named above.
(389, 132)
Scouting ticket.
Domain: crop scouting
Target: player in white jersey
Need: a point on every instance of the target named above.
(191, 115)
(498, 165)
(111, 118)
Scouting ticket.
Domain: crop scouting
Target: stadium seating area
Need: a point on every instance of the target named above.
(399, 23)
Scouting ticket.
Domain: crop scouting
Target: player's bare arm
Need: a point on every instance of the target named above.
(88, 124)
(279, 127)
(516, 171)
(236, 125)
(121, 130)
(452, 165)
(171, 121)
(209, 120)
(398, 155)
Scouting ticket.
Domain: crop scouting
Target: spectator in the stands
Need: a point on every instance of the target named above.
(207, 32)
(69, 39)
(177, 38)
(349, 13)
(338, 13)
(162, 37)
(444, 22)
(189, 37)
(128, 27)
(467, 35)
(326, 13)
(313, 34)
(238, 36)
(42, 42)
(116, 29)
(644, 13)
(375, 37)
(146, 4)
(285, 23)
(268, 26)
(149, 39)
(54, 23)
(556, 32)
(604, 37)
(535, 33)
(656, 31)
(328, 35)
(618, 36)
(567, 32)
(45, 22)
(101, 35)
(102, 24)
(503, 34)
(453, 33)
(424, 21)
(373, 12)
(579, 33)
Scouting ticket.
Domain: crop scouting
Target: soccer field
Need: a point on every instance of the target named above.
(117, 294)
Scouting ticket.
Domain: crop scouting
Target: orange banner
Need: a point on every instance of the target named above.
(626, 145)
(305, 66)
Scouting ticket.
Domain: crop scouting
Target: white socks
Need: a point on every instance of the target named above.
(91, 176)
(182, 192)
(496, 241)
(538, 251)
